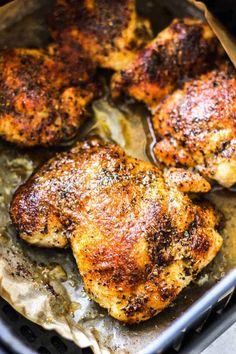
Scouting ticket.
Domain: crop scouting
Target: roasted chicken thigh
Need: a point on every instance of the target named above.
(186, 48)
(109, 31)
(137, 237)
(43, 96)
(196, 126)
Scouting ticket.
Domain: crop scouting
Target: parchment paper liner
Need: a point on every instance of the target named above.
(227, 40)
(29, 278)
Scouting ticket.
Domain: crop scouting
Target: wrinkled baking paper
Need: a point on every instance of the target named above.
(227, 40)
(45, 285)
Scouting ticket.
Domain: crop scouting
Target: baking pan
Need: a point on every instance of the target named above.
(211, 291)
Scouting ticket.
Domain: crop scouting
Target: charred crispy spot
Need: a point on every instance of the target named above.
(167, 292)
(199, 243)
(159, 242)
(135, 305)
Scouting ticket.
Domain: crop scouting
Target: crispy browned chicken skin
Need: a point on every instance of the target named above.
(43, 96)
(184, 49)
(109, 31)
(137, 238)
(196, 126)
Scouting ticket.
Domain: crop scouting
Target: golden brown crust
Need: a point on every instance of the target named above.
(196, 127)
(137, 239)
(109, 31)
(184, 49)
(186, 180)
(43, 100)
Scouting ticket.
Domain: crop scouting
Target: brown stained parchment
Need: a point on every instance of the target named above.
(227, 40)
(45, 285)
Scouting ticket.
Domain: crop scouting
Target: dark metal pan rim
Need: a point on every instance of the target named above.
(225, 287)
